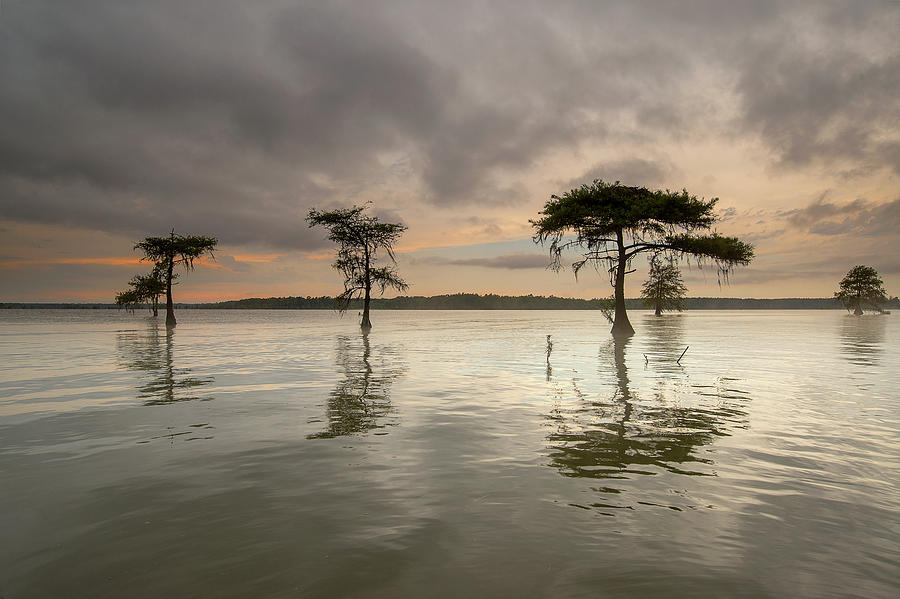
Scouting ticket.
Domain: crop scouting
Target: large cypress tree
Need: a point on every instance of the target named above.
(167, 252)
(612, 223)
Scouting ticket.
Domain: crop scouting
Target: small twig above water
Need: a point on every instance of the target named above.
(678, 361)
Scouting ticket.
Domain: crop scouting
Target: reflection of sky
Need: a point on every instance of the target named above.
(797, 445)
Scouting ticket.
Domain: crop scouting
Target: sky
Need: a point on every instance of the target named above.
(121, 119)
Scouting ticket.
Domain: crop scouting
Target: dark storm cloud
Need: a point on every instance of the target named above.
(233, 118)
(858, 217)
(507, 261)
(823, 86)
(136, 117)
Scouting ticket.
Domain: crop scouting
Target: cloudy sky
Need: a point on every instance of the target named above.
(121, 119)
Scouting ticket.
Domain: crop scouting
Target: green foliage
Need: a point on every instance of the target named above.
(657, 221)
(727, 251)
(663, 290)
(359, 238)
(862, 288)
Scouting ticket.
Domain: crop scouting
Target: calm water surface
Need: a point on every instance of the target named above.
(283, 454)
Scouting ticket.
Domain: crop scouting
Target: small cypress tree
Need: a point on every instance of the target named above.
(663, 289)
(861, 288)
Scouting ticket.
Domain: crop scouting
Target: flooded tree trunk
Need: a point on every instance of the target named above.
(366, 325)
(621, 326)
(658, 310)
(170, 309)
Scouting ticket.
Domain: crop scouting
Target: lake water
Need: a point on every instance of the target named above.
(283, 454)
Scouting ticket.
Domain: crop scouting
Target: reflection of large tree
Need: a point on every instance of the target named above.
(152, 354)
(623, 435)
(862, 339)
(361, 401)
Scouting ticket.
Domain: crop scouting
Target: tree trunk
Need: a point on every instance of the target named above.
(170, 308)
(366, 325)
(621, 326)
(659, 300)
(858, 311)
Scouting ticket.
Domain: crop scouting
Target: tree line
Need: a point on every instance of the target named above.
(607, 224)
(454, 301)
(470, 301)
(474, 301)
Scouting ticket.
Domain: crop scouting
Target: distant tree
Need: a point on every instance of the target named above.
(151, 286)
(144, 289)
(663, 289)
(861, 288)
(359, 238)
(166, 252)
(129, 299)
(612, 223)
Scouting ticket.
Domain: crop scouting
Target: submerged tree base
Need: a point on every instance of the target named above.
(622, 328)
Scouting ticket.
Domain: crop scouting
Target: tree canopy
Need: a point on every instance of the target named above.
(359, 238)
(611, 223)
(664, 288)
(167, 252)
(862, 288)
(144, 289)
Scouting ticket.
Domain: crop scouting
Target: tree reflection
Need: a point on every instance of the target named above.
(361, 400)
(862, 338)
(152, 354)
(664, 339)
(625, 435)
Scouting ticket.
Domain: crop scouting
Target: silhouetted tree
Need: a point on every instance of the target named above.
(613, 223)
(166, 252)
(359, 238)
(663, 289)
(129, 299)
(145, 289)
(862, 287)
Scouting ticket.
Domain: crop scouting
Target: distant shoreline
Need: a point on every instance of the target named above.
(469, 301)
